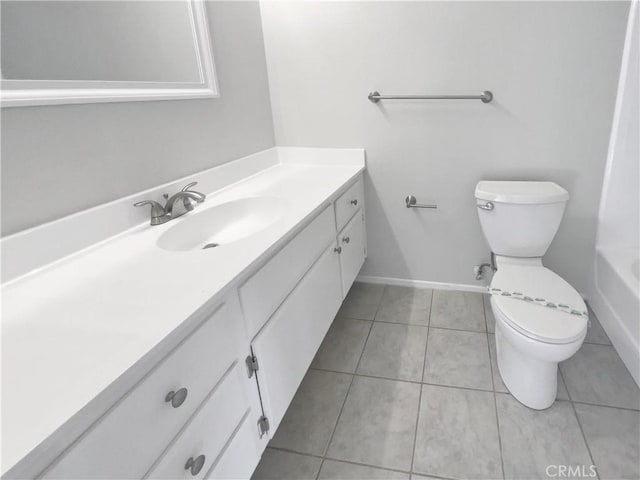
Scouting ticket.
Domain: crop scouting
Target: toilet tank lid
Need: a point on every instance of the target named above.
(520, 192)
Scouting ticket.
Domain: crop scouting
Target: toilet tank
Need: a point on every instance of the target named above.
(520, 219)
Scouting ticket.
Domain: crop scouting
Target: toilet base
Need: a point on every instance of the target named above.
(532, 382)
(529, 368)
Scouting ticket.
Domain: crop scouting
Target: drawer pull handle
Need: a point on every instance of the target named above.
(354, 202)
(346, 239)
(195, 464)
(176, 398)
(338, 250)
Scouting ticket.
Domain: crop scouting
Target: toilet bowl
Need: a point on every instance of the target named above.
(519, 220)
(532, 339)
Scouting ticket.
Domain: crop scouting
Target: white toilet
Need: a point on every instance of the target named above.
(519, 220)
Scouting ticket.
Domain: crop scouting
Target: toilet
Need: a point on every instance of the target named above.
(540, 318)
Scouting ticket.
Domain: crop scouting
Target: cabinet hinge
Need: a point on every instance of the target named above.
(252, 365)
(263, 425)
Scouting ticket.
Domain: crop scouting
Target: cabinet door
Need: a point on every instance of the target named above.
(240, 455)
(352, 244)
(288, 342)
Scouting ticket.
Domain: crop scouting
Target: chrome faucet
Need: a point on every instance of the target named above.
(178, 204)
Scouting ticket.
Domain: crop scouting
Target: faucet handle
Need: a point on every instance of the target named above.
(188, 186)
(158, 213)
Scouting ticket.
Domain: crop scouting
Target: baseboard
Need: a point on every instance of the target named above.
(404, 282)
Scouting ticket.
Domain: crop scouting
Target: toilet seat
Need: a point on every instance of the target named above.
(534, 321)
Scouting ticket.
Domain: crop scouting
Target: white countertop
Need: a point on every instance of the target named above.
(75, 327)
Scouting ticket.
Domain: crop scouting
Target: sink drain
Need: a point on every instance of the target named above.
(210, 245)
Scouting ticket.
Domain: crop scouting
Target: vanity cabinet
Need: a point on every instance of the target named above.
(209, 407)
(289, 340)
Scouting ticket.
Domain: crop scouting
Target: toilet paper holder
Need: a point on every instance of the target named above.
(411, 202)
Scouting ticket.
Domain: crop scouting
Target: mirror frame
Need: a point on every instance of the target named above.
(61, 92)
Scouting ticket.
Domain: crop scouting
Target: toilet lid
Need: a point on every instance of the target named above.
(536, 321)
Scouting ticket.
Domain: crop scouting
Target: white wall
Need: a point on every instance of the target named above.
(57, 160)
(552, 66)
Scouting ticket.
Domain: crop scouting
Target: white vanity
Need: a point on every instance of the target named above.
(134, 360)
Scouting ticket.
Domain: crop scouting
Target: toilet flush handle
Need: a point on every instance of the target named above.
(487, 206)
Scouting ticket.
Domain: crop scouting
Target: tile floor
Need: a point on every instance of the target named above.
(405, 385)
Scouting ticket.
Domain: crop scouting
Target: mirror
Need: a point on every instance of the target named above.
(76, 51)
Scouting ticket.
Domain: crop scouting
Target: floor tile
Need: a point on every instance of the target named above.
(457, 434)
(499, 385)
(458, 358)
(595, 333)
(333, 470)
(613, 437)
(533, 440)
(362, 301)
(377, 424)
(279, 465)
(405, 305)
(394, 351)
(458, 310)
(342, 347)
(488, 314)
(597, 375)
(309, 420)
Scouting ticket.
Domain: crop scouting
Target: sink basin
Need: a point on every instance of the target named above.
(223, 224)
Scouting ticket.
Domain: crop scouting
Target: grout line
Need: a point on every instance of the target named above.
(402, 323)
(604, 406)
(575, 413)
(429, 326)
(288, 450)
(415, 382)
(493, 383)
(432, 476)
(344, 317)
(350, 462)
(424, 366)
(320, 469)
(461, 330)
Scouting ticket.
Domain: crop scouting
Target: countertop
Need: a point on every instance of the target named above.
(72, 329)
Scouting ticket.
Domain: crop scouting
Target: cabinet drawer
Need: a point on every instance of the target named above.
(348, 204)
(269, 286)
(291, 338)
(126, 441)
(211, 428)
(351, 241)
